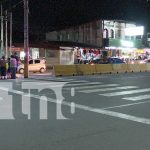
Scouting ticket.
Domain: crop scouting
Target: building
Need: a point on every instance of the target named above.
(114, 35)
(117, 37)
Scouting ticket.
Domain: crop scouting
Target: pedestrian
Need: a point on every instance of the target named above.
(3, 68)
(78, 55)
(17, 60)
(84, 57)
(8, 69)
(43, 61)
(13, 67)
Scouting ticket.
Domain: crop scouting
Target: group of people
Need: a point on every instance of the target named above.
(84, 56)
(8, 67)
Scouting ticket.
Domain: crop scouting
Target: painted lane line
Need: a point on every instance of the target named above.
(93, 86)
(126, 105)
(126, 92)
(109, 89)
(71, 84)
(87, 108)
(137, 98)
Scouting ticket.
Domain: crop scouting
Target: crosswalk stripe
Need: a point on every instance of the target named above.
(84, 81)
(50, 78)
(93, 86)
(78, 84)
(137, 98)
(108, 89)
(126, 92)
(72, 84)
(61, 79)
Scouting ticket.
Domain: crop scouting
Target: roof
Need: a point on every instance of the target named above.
(56, 44)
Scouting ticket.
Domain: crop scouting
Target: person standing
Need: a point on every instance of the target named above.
(17, 59)
(3, 67)
(84, 57)
(13, 67)
(8, 69)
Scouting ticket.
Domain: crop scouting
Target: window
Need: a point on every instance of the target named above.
(31, 62)
(119, 33)
(59, 37)
(37, 61)
(111, 33)
(139, 37)
(67, 36)
(76, 36)
(105, 33)
(148, 35)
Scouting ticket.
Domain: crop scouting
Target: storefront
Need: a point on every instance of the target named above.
(124, 48)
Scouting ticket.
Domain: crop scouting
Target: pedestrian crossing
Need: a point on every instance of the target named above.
(109, 90)
(131, 93)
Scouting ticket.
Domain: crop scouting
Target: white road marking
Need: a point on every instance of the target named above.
(126, 92)
(90, 109)
(92, 86)
(63, 79)
(80, 81)
(70, 84)
(109, 89)
(49, 79)
(126, 105)
(137, 98)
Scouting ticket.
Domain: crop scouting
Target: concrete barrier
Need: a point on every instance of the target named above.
(65, 70)
(104, 68)
(120, 68)
(143, 67)
(137, 67)
(87, 69)
(148, 67)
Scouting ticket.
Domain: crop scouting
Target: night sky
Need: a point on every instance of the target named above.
(47, 15)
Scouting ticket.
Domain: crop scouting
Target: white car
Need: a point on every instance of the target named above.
(35, 65)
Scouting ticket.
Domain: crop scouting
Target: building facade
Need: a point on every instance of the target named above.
(113, 35)
(88, 33)
(101, 33)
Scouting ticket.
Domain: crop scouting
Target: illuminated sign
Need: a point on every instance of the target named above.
(133, 31)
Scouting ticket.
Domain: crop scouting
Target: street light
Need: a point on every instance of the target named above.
(26, 39)
(7, 54)
(6, 38)
(2, 42)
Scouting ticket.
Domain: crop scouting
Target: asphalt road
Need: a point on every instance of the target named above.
(100, 112)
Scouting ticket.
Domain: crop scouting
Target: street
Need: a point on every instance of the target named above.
(99, 112)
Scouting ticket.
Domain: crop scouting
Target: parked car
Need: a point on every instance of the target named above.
(35, 65)
(115, 60)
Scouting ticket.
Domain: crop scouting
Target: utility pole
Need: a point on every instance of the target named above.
(2, 30)
(26, 39)
(6, 38)
(10, 42)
